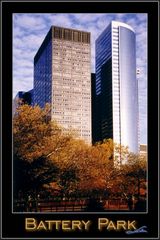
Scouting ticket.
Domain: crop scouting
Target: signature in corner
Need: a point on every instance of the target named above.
(139, 230)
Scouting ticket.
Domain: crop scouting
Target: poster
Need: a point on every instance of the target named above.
(89, 198)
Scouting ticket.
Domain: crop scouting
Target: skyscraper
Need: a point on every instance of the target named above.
(22, 98)
(62, 77)
(117, 86)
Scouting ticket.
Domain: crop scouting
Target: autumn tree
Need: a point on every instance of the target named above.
(69, 161)
(136, 172)
(130, 177)
(96, 167)
(35, 139)
(86, 169)
(45, 156)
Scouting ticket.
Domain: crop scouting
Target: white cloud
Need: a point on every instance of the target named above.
(29, 31)
(27, 21)
(25, 82)
(59, 20)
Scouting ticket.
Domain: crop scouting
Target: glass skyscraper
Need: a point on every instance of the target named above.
(62, 78)
(117, 86)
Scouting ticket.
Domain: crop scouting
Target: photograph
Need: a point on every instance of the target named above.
(79, 112)
(80, 97)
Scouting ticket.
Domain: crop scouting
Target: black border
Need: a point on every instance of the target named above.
(13, 224)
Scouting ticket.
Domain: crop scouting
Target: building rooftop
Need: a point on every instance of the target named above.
(66, 34)
(143, 147)
(121, 24)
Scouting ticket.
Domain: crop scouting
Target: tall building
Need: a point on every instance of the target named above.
(93, 102)
(143, 150)
(117, 86)
(62, 78)
(22, 98)
(95, 111)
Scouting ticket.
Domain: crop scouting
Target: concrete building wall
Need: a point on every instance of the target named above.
(63, 79)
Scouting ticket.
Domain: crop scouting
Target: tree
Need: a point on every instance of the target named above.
(83, 168)
(136, 172)
(95, 168)
(35, 139)
(130, 177)
(45, 156)
(69, 160)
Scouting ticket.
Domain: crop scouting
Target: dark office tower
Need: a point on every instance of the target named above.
(22, 98)
(62, 77)
(116, 85)
(93, 101)
(96, 111)
(28, 97)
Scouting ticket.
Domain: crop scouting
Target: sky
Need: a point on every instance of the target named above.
(29, 30)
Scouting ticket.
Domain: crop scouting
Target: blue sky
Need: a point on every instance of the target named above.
(29, 31)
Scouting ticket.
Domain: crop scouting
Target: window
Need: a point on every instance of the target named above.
(77, 36)
(67, 34)
(57, 32)
(86, 37)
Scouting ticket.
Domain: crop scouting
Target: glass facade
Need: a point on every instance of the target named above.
(128, 89)
(43, 73)
(104, 85)
(103, 54)
(117, 86)
(63, 78)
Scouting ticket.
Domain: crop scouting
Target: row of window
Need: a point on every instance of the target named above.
(71, 35)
